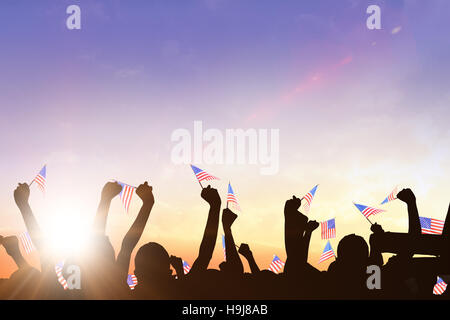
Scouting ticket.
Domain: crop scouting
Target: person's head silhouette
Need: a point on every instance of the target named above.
(353, 251)
(152, 263)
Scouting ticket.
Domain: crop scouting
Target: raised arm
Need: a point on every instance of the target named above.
(234, 263)
(375, 256)
(294, 227)
(145, 192)
(110, 190)
(177, 264)
(21, 196)
(211, 196)
(310, 227)
(244, 250)
(407, 196)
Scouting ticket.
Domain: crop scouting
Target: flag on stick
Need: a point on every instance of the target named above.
(439, 287)
(367, 211)
(27, 244)
(231, 198)
(41, 179)
(328, 229)
(431, 226)
(132, 281)
(309, 198)
(327, 253)
(126, 194)
(276, 265)
(58, 269)
(202, 175)
(391, 196)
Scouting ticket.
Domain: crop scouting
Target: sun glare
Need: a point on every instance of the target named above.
(68, 232)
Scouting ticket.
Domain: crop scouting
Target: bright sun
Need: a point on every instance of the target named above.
(67, 233)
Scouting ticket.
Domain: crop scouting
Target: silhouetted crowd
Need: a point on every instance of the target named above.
(104, 275)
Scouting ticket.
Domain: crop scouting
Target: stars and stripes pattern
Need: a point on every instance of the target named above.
(328, 229)
(431, 226)
(367, 211)
(132, 281)
(224, 249)
(439, 287)
(231, 198)
(41, 178)
(27, 244)
(391, 196)
(327, 253)
(202, 175)
(186, 267)
(309, 198)
(58, 269)
(276, 265)
(126, 194)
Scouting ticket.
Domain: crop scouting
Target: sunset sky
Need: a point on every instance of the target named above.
(359, 112)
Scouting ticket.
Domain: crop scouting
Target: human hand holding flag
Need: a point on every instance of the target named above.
(111, 190)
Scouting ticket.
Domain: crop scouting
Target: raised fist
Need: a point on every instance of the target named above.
(406, 195)
(145, 192)
(244, 249)
(176, 262)
(292, 204)
(228, 218)
(376, 228)
(22, 194)
(110, 190)
(211, 196)
(11, 245)
(312, 225)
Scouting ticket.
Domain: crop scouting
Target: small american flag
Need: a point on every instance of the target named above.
(202, 175)
(58, 269)
(366, 210)
(224, 250)
(431, 226)
(391, 196)
(186, 267)
(41, 178)
(276, 265)
(309, 198)
(327, 253)
(328, 229)
(439, 287)
(132, 281)
(27, 244)
(231, 198)
(126, 194)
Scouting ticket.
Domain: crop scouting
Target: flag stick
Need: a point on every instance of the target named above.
(368, 220)
(200, 183)
(227, 194)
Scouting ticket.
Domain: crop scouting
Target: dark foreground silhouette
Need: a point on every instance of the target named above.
(104, 276)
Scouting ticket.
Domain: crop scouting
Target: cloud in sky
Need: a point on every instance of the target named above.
(396, 30)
